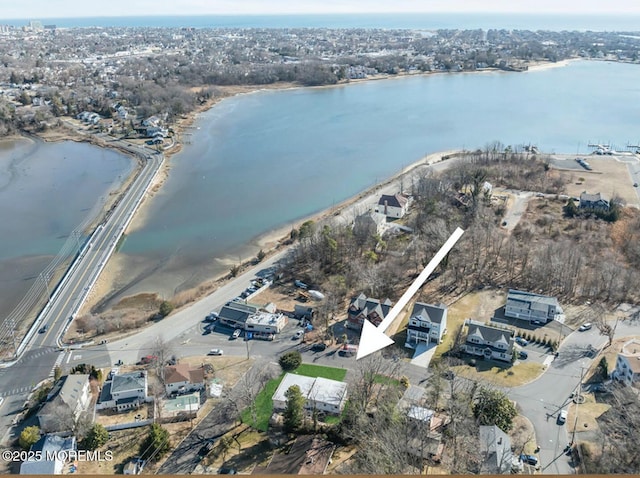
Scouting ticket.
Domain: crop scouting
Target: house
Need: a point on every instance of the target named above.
(182, 378)
(425, 428)
(309, 455)
(151, 121)
(495, 451)
(124, 392)
(65, 404)
(531, 307)
(51, 448)
(489, 342)
(369, 224)
(262, 320)
(320, 393)
(628, 363)
(394, 206)
(593, 201)
(427, 323)
(362, 308)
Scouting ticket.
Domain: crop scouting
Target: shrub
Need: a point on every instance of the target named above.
(290, 361)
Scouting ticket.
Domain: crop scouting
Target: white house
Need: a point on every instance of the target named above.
(320, 393)
(370, 224)
(489, 342)
(530, 306)
(628, 363)
(427, 323)
(182, 378)
(394, 206)
(124, 392)
(495, 451)
(51, 448)
(265, 323)
(69, 398)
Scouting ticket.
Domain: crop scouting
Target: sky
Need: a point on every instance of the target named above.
(34, 9)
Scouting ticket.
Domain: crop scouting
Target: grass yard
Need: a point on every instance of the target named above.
(264, 404)
(384, 380)
(501, 375)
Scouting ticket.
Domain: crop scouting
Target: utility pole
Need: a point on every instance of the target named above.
(577, 399)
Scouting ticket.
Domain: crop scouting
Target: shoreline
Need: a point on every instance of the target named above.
(270, 241)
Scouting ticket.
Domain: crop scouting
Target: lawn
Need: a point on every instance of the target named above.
(264, 403)
(501, 375)
(385, 380)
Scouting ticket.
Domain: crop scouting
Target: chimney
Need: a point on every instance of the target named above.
(386, 205)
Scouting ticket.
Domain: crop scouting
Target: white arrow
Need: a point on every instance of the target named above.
(373, 338)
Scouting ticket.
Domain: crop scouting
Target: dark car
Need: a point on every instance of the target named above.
(43, 329)
(319, 347)
(529, 459)
(228, 471)
(523, 355)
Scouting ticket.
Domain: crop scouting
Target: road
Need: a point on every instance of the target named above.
(42, 351)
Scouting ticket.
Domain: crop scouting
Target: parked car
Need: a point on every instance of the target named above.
(300, 284)
(216, 352)
(298, 334)
(584, 327)
(562, 417)
(536, 322)
(227, 471)
(236, 333)
(205, 449)
(147, 359)
(529, 459)
(319, 347)
(521, 341)
(523, 355)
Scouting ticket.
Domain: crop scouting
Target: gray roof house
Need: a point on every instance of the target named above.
(427, 323)
(531, 307)
(495, 451)
(69, 398)
(489, 342)
(363, 307)
(50, 446)
(394, 206)
(369, 224)
(124, 391)
(593, 201)
(320, 393)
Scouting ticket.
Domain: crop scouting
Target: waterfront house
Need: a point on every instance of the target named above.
(320, 393)
(66, 402)
(182, 378)
(124, 392)
(531, 307)
(489, 342)
(593, 201)
(369, 224)
(628, 363)
(394, 206)
(364, 308)
(427, 323)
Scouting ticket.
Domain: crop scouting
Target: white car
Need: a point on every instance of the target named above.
(584, 327)
(236, 333)
(216, 352)
(562, 417)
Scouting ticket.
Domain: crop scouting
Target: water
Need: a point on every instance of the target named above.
(263, 160)
(46, 191)
(429, 21)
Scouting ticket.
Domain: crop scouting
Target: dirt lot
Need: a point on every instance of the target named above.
(608, 177)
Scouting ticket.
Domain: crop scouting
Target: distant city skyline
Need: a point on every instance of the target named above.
(35, 9)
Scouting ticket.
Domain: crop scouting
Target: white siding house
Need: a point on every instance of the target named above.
(489, 342)
(320, 393)
(628, 363)
(394, 206)
(530, 306)
(427, 323)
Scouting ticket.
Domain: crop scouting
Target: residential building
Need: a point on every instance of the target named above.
(489, 342)
(394, 206)
(427, 323)
(362, 308)
(320, 393)
(593, 201)
(258, 319)
(69, 398)
(628, 363)
(309, 455)
(531, 307)
(124, 392)
(51, 448)
(495, 451)
(425, 433)
(369, 224)
(181, 378)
